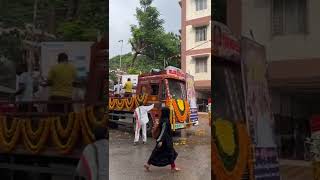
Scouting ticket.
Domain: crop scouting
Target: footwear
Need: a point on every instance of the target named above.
(175, 169)
(144, 142)
(147, 167)
(135, 143)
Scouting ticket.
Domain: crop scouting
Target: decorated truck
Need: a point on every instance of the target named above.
(161, 88)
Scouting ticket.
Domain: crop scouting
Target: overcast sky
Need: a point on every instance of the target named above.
(122, 15)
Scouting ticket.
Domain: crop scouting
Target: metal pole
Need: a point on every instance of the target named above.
(120, 51)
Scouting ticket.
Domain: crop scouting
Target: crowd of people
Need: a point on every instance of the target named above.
(62, 82)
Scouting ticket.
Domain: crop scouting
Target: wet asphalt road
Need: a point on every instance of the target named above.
(194, 149)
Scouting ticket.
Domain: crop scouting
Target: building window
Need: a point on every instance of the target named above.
(201, 64)
(201, 33)
(289, 16)
(201, 5)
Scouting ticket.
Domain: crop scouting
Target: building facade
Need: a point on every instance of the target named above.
(290, 33)
(196, 46)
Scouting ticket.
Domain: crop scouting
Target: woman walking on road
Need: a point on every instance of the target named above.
(163, 154)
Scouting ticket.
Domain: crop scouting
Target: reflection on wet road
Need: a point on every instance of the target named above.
(194, 148)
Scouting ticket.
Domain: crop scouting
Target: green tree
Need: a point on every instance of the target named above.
(149, 38)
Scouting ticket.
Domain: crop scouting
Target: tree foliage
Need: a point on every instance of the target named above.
(149, 38)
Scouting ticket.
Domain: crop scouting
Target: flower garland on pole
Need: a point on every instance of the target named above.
(231, 150)
(86, 130)
(9, 131)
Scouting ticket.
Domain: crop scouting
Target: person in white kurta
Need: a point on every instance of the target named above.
(93, 164)
(141, 115)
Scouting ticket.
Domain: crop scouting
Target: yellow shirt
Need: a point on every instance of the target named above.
(62, 77)
(128, 87)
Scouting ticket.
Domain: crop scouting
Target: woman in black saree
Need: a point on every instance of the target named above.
(163, 154)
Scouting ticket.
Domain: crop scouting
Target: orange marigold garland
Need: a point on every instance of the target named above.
(8, 144)
(34, 135)
(86, 130)
(93, 119)
(66, 148)
(43, 134)
(112, 103)
(141, 99)
(9, 131)
(181, 109)
(65, 132)
(129, 103)
(120, 104)
(244, 157)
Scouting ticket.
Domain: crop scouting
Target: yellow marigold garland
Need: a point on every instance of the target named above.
(181, 114)
(86, 130)
(92, 118)
(9, 131)
(35, 139)
(66, 148)
(120, 104)
(112, 103)
(34, 135)
(64, 132)
(39, 145)
(8, 146)
(244, 158)
(129, 103)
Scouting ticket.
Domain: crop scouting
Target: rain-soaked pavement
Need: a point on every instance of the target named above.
(194, 149)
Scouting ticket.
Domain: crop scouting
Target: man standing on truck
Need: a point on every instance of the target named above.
(24, 87)
(141, 115)
(61, 78)
(128, 88)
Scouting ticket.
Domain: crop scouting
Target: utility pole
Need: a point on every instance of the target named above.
(35, 7)
(120, 51)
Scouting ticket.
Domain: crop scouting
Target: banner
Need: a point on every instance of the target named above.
(259, 116)
(191, 96)
(225, 44)
(266, 164)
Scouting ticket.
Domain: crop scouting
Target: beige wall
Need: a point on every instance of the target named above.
(193, 14)
(257, 16)
(191, 38)
(191, 69)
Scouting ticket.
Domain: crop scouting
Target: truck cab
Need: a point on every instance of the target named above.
(163, 88)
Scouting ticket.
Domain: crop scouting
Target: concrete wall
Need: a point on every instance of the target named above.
(193, 14)
(191, 69)
(256, 15)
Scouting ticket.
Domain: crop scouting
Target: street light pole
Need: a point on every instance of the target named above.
(120, 51)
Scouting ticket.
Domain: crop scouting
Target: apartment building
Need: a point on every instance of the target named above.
(289, 30)
(196, 45)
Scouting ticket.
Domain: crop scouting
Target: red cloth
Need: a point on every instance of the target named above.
(315, 123)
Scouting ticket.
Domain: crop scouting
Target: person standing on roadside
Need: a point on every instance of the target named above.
(141, 115)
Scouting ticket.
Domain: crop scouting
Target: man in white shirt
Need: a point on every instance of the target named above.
(117, 88)
(141, 115)
(24, 87)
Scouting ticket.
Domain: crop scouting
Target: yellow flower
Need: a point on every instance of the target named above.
(224, 132)
(180, 104)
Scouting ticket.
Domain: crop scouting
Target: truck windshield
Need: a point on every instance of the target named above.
(177, 89)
